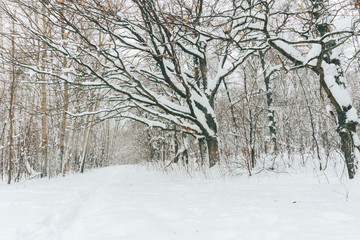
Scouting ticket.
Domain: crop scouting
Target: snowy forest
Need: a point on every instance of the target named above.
(248, 85)
(179, 119)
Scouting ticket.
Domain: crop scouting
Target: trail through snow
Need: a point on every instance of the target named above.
(132, 203)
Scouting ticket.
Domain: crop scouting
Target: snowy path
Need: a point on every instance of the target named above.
(131, 203)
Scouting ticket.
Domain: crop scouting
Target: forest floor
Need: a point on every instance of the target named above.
(135, 203)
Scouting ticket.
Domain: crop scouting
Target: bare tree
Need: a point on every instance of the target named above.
(145, 60)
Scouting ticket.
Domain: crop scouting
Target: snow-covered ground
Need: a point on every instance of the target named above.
(133, 203)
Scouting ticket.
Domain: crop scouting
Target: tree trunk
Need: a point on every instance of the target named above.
(213, 150)
(269, 101)
(44, 143)
(251, 137)
(71, 139)
(88, 132)
(324, 128)
(348, 137)
(2, 164)
(348, 149)
(202, 150)
(65, 109)
(11, 128)
(63, 127)
(85, 144)
(346, 127)
(11, 107)
(176, 147)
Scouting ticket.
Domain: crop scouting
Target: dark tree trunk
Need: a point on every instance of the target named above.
(346, 132)
(185, 157)
(348, 148)
(202, 149)
(346, 128)
(176, 148)
(252, 139)
(213, 150)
